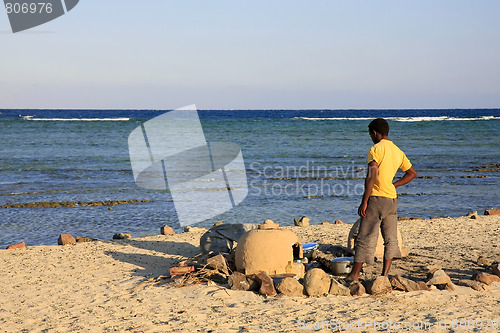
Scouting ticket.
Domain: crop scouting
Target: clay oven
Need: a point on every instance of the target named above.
(269, 249)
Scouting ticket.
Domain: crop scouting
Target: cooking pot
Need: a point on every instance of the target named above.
(341, 265)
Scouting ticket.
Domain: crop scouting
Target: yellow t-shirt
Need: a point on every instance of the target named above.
(389, 159)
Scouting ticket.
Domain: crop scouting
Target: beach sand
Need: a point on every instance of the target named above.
(98, 287)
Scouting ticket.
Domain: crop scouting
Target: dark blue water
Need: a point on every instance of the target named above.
(299, 162)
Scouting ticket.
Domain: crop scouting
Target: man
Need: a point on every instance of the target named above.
(378, 209)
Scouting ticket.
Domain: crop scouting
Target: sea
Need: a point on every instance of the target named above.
(297, 163)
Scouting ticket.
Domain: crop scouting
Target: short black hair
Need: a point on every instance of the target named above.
(379, 125)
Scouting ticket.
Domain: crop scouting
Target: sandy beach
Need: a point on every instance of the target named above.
(110, 286)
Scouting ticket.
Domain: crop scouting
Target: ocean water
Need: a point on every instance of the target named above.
(298, 162)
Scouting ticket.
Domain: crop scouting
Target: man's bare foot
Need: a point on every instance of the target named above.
(350, 278)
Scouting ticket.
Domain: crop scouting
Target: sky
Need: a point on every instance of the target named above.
(160, 54)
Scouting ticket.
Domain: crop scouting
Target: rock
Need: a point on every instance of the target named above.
(423, 286)
(317, 282)
(495, 269)
(325, 223)
(482, 261)
(339, 222)
(473, 215)
(167, 230)
(194, 229)
(403, 218)
(121, 236)
(253, 282)
(269, 225)
(476, 285)
(84, 239)
(400, 283)
(238, 281)
(434, 217)
(266, 284)
(379, 286)
(438, 277)
(303, 222)
(110, 208)
(431, 269)
(485, 278)
(493, 211)
(357, 289)
(449, 287)
(290, 287)
(336, 288)
(219, 263)
(16, 246)
(66, 239)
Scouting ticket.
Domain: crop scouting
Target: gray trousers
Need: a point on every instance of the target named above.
(381, 214)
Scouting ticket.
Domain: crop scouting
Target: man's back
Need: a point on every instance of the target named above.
(389, 159)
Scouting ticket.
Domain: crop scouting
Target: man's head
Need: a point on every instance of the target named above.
(378, 128)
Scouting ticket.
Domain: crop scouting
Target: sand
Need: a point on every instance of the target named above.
(99, 287)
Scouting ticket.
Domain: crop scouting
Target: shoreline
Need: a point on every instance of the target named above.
(99, 286)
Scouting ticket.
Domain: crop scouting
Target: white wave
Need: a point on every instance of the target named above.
(344, 118)
(409, 119)
(74, 119)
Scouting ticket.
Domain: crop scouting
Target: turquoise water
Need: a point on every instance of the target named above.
(298, 162)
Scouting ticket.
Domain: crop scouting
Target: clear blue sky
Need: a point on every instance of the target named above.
(256, 54)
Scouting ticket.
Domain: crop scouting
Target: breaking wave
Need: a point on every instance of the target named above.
(409, 119)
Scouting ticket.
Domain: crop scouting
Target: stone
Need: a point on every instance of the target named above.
(493, 211)
(485, 278)
(317, 282)
(336, 288)
(167, 230)
(290, 287)
(80, 239)
(253, 282)
(473, 215)
(438, 277)
(339, 222)
(495, 269)
(449, 287)
(482, 261)
(303, 222)
(269, 225)
(403, 218)
(325, 223)
(194, 229)
(423, 286)
(379, 286)
(476, 285)
(121, 236)
(238, 281)
(19, 245)
(357, 289)
(219, 263)
(400, 283)
(379, 250)
(66, 239)
(266, 284)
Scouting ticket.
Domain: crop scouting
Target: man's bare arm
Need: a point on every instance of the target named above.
(369, 181)
(409, 175)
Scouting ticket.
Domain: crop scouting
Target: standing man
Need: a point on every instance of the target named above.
(378, 208)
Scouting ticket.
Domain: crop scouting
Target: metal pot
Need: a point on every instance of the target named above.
(341, 265)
